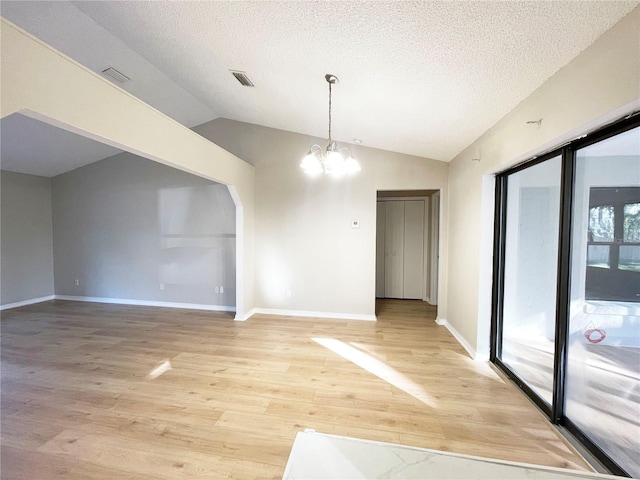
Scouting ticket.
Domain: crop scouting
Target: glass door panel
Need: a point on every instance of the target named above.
(530, 274)
(602, 384)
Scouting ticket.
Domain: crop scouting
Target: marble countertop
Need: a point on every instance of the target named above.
(321, 456)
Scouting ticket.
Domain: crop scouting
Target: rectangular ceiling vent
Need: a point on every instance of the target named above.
(242, 78)
(114, 74)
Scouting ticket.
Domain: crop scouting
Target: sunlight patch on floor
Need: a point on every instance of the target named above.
(377, 368)
(159, 369)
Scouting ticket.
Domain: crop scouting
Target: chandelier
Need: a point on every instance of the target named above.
(332, 160)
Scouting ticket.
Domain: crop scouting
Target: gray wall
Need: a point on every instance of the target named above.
(25, 238)
(125, 225)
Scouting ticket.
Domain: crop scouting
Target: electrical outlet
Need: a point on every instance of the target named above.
(221, 289)
(288, 293)
(77, 282)
(162, 286)
(217, 289)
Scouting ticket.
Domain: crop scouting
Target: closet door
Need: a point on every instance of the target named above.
(413, 249)
(394, 250)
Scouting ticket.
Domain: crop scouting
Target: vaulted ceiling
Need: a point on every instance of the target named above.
(420, 77)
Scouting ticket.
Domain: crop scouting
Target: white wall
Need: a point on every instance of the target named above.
(125, 225)
(304, 240)
(26, 246)
(600, 85)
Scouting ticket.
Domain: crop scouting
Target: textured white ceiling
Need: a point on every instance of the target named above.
(425, 78)
(36, 148)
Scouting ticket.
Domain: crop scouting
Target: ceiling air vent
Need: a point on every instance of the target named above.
(115, 75)
(242, 78)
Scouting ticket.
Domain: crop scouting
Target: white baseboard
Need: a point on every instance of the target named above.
(23, 303)
(148, 303)
(196, 306)
(461, 340)
(310, 314)
(246, 316)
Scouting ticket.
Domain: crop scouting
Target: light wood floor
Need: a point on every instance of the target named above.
(78, 400)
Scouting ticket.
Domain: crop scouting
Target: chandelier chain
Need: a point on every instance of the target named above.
(332, 160)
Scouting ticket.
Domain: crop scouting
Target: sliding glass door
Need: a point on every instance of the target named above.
(530, 272)
(603, 380)
(566, 316)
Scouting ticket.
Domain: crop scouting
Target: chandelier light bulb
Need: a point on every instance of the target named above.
(333, 163)
(311, 164)
(351, 165)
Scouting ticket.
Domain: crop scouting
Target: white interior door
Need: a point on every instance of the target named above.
(394, 250)
(413, 255)
(402, 249)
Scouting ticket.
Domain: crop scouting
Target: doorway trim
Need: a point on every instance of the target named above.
(427, 196)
